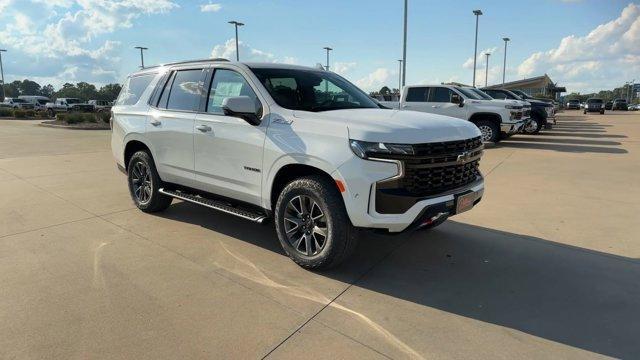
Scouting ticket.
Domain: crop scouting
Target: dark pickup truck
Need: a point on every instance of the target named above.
(541, 111)
(620, 104)
(594, 105)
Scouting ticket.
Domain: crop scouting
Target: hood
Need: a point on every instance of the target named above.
(396, 126)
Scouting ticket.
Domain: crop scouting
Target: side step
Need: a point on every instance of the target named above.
(216, 205)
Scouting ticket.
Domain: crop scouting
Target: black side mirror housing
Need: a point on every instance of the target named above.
(242, 107)
(457, 99)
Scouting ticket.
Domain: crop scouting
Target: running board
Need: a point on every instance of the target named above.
(215, 204)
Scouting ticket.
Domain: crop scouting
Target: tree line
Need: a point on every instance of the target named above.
(82, 90)
(606, 95)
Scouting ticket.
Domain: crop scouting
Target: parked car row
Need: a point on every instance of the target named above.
(599, 105)
(43, 103)
(498, 113)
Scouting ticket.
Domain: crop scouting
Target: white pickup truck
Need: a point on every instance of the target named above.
(496, 119)
(68, 105)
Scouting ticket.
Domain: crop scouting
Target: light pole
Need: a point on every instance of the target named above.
(486, 71)
(236, 24)
(504, 65)
(630, 90)
(141, 55)
(399, 77)
(328, 49)
(2, 73)
(477, 13)
(404, 45)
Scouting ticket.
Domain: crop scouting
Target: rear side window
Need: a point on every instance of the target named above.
(440, 94)
(183, 91)
(417, 94)
(133, 88)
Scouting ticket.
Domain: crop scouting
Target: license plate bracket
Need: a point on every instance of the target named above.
(465, 202)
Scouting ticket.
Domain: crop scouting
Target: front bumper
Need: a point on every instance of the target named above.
(512, 128)
(361, 177)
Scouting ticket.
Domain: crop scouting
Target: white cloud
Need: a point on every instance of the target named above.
(4, 4)
(210, 7)
(342, 68)
(480, 58)
(375, 80)
(247, 53)
(604, 58)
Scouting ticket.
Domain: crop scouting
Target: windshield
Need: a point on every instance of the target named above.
(481, 93)
(19, 101)
(591, 101)
(42, 101)
(73, 101)
(574, 101)
(467, 92)
(312, 90)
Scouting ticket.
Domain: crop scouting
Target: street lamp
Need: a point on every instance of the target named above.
(477, 13)
(2, 73)
(404, 45)
(504, 65)
(141, 55)
(486, 71)
(328, 49)
(236, 24)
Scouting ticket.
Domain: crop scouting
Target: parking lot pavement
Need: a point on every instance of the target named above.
(545, 266)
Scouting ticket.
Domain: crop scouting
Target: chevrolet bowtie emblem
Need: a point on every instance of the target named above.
(464, 157)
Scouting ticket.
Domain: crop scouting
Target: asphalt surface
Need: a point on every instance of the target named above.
(546, 266)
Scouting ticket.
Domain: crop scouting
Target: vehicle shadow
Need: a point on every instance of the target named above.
(537, 139)
(583, 134)
(570, 295)
(561, 147)
(574, 296)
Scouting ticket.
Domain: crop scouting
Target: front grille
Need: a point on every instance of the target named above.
(518, 115)
(435, 168)
(432, 181)
(527, 113)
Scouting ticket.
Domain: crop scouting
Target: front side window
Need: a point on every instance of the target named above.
(312, 90)
(440, 94)
(133, 88)
(186, 90)
(228, 83)
(417, 94)
(496, 94)
(468, 92)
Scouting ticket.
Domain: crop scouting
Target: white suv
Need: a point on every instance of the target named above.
(301, 145)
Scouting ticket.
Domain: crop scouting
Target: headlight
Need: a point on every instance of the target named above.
(365, 149)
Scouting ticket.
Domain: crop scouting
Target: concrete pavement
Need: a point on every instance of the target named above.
(545, 266)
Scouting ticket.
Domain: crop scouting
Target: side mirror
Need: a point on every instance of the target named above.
(242, 107)
(457, 99)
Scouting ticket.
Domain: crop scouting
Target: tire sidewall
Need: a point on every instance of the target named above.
(335, 227)
(144, 157)
(495, 130)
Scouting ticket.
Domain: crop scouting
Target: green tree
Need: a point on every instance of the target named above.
(68, 90)
(28, 87)
(385, 90)
(47, 90)
(109, 92)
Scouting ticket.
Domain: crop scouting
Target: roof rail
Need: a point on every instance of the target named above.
(186, 62)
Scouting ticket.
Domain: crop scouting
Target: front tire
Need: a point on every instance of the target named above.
(51, 113)
(312, 223)
(144, 183)
(534, 126)
(490, 131)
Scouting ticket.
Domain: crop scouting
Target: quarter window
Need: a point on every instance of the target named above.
(417, 94)
(133, 88)
(228, 83)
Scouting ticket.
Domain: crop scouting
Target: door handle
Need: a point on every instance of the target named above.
(155, 122)
(204, 128)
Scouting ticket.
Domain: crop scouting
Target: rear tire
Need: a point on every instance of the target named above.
(144, 183)
(534, 126)
(490, 131)
(51, 113)
(312, 223)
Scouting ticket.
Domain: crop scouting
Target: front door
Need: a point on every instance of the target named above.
(440, 100)
(228, 150)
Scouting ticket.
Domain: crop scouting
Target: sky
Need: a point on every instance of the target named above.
(584, 45)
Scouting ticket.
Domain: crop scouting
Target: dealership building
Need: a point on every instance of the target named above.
(533, 86)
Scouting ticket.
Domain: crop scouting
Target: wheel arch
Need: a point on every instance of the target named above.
(289, 172)
(131, 147)
(494, 117)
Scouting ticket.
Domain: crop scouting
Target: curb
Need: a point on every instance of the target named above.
(70, 127)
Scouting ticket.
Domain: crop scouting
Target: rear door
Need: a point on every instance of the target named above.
(416, 99)
(170, 124)
(229, 150)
